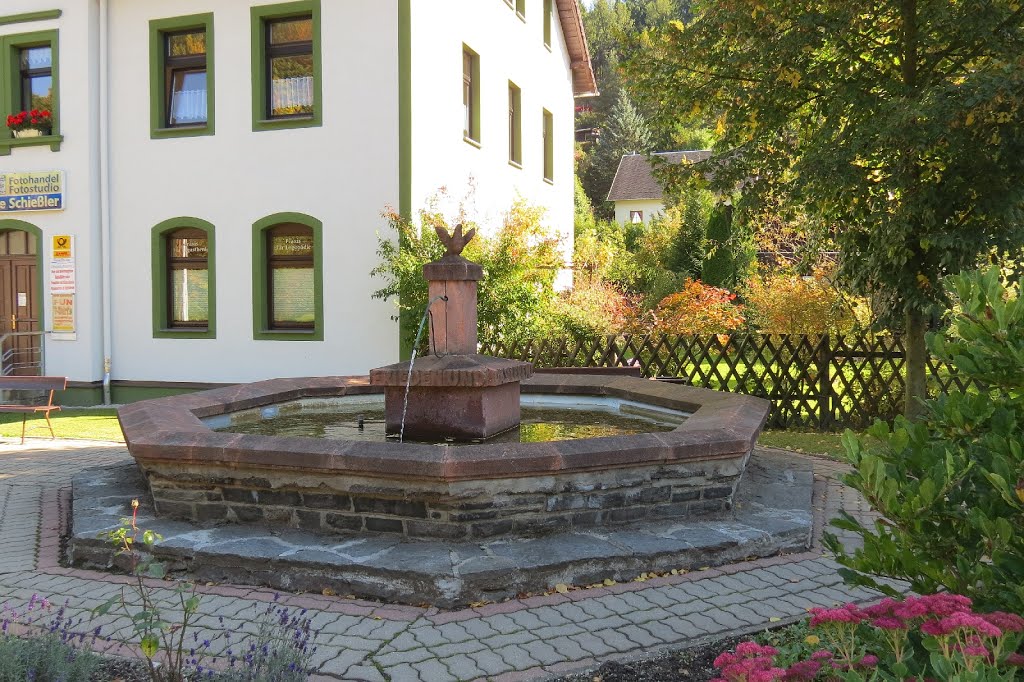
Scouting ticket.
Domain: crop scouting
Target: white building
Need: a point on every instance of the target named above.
(221, 167)
(637, 194)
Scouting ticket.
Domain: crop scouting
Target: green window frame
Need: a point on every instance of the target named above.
(263, 330)
(263, 17)
(163, 328)
(549, 146)
(521, 9)
(549, 10)
(11, 87)
(159, 89)
(470, 96)
(515, 125)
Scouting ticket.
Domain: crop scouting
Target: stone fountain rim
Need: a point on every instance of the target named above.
(171, 431)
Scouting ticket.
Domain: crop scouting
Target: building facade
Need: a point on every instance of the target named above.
(637, 194)
(222, 166)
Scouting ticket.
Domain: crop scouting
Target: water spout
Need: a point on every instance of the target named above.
(412, 361)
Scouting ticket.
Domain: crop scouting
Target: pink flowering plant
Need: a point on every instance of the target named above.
(935, 637)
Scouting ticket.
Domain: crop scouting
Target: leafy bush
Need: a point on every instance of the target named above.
(520, 262)
(786, 303)
(698, 309)
(950, 488)
(933, 637)
(45, 645)
(594, 309)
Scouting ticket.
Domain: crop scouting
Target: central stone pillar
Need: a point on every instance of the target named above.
(453, 391)
(453, 329)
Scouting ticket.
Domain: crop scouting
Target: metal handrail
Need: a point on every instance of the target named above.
(5, 367)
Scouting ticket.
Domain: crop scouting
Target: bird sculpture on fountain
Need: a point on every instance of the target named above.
(455, 242)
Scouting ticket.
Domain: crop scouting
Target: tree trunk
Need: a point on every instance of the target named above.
(917, 355)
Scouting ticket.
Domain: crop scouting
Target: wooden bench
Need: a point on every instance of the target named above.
(51, 384)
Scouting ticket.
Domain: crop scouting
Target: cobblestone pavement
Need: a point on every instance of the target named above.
(530, 638)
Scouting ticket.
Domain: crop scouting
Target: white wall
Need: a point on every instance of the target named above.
(343, 173)
(650, 208)
(79, 359)
(509, 49)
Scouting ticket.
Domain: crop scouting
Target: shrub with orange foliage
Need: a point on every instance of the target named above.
(791, 304)
(698, 309)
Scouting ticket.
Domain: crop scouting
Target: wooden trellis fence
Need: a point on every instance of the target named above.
(821, 382)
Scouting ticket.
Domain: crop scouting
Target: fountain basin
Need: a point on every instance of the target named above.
(426, 491)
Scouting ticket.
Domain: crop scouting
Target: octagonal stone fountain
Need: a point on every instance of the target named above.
(436, 521)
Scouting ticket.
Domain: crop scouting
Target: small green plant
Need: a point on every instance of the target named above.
(45, 645)
(949, 489)
(162, 641)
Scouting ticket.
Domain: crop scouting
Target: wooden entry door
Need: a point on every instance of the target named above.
(19, 298)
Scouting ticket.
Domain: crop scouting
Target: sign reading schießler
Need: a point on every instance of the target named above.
(32, 191)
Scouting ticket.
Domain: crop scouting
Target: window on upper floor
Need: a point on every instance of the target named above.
(549, 146)
(286, 58)
(549, 11)
(471, 95)
(29, 85)
(287, 278)
(181, 76)
(183, 279)
(36, 76)
(521, 8)
(515, 125)
(185, 69)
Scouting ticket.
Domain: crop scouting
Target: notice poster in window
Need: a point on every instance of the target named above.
(62, 288)
(62, 265)
(62, 316)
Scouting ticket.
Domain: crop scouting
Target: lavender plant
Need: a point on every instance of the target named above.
(40, 644)
(281, 651)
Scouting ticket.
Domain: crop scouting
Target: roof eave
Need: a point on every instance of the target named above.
(584, 82)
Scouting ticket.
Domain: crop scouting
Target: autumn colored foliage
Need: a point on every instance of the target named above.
(790, 304)
(698, 309)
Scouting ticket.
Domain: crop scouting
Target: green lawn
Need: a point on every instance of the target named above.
(79, 423)
(811, 442)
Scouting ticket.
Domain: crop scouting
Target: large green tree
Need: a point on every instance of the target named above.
(897, 123)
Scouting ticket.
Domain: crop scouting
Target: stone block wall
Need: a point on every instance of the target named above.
(457, 511)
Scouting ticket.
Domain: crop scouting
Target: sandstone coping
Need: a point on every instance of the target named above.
(453, 268)
(170, 431)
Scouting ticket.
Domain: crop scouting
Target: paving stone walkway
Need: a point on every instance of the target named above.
(527, 639)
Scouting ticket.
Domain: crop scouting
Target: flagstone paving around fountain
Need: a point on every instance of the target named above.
(537, 637)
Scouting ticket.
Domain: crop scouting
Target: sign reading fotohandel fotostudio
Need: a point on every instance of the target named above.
(32, 191)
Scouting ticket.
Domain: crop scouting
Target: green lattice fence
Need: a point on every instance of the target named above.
(821, 382)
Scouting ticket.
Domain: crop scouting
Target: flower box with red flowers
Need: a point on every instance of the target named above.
(34, 123)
